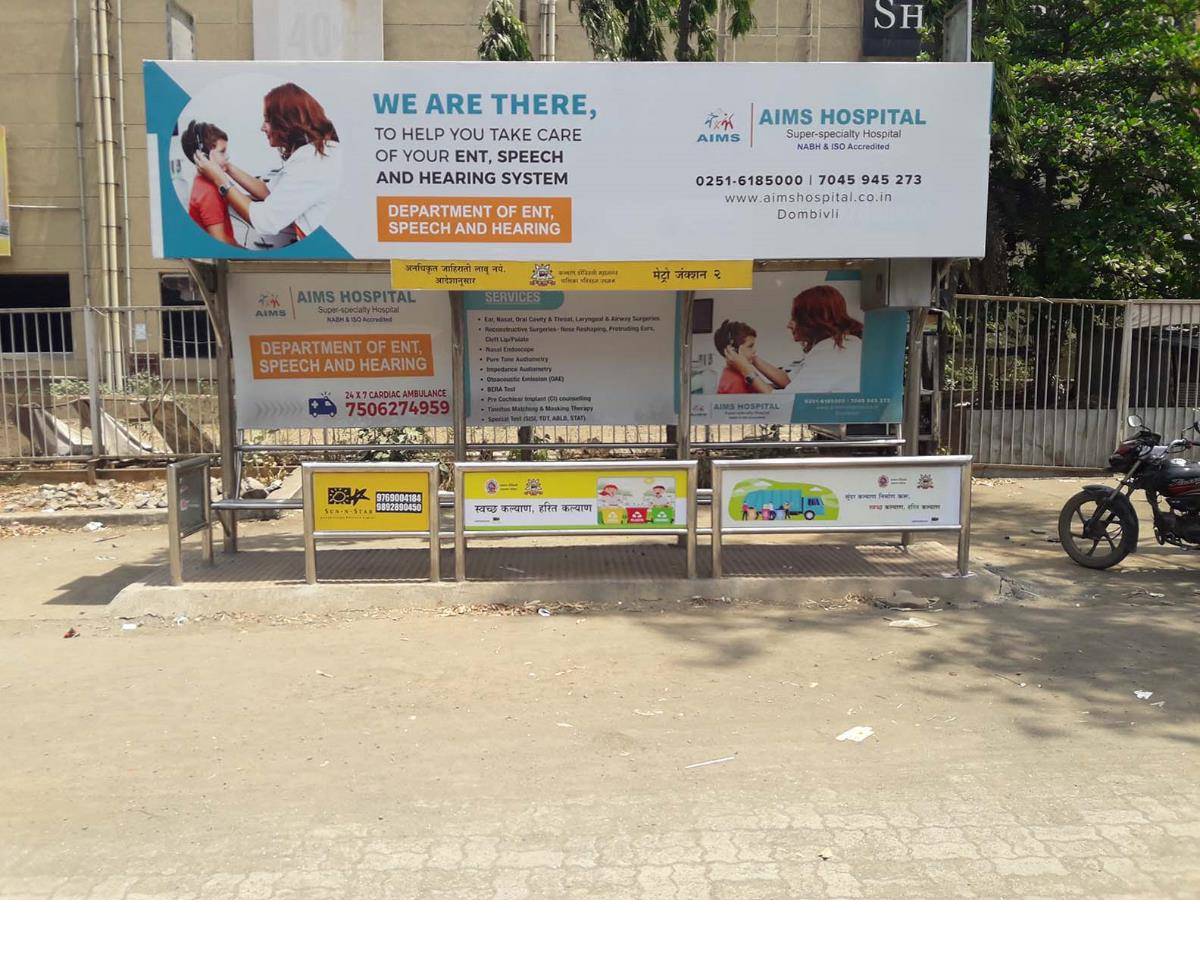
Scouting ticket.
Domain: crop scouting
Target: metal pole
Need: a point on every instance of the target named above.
(227, 411)
(716, 509)
(458, 320)
(912, 392)
(435, 543)
(1123, 368)
(83, 224)
(207, 540)
(693, 469)
(964, 519)
(460, 537)
(683, 431)
(174, 543)
(91, 333)
(310, 541)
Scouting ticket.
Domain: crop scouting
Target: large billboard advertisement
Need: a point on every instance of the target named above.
(567, 161)
(338, 350)
(796, 348)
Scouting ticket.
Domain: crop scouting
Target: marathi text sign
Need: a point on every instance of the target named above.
(567, 161)
(385, 501)
(596, 497)
(895, 494)
(337, 350)
(572, 276)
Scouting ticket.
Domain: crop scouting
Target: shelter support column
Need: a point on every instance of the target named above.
(912, 391)
(683, 431)
(213, 282)
(458, 327)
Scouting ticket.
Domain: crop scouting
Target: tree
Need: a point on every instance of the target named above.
(1095, 172)
(504, 35)
(637, 30)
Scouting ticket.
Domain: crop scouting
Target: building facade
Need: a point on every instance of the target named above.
(71, 103)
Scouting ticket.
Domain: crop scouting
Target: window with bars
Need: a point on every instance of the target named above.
(35, 333)
(186, 331)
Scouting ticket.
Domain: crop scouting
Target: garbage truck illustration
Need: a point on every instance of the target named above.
(770, 500)
(321, 405)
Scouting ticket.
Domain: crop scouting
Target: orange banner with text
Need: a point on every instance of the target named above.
(279, 357)
(474, 219)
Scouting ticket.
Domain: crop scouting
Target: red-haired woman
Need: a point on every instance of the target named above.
(830, 338)
(298, 197)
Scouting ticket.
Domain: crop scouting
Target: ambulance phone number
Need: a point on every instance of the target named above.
(399, 407)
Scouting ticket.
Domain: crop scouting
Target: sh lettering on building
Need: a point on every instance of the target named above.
(891, 28)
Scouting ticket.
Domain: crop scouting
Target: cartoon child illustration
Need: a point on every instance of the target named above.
(608, 492)
(745, 372)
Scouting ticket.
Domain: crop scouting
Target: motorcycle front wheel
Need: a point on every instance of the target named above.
(1094, 546)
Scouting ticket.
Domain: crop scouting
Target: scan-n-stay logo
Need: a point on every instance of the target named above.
(719, 127)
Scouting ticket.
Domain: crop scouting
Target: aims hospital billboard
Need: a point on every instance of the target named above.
(588, 161)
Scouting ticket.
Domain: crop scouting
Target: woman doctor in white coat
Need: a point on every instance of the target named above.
(297, 200)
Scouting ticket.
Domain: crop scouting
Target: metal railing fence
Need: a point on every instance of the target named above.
(1035, 382)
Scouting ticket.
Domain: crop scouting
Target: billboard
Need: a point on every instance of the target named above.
(554, 358)
(338, 350)
(576, 498)
(895, 494)
(583, 161)
(796, 348)
(358, 500)
(464, 275)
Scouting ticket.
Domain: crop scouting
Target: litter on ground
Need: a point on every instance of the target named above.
(859, 733)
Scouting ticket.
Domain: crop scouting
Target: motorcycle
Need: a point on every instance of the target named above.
(1098, 527)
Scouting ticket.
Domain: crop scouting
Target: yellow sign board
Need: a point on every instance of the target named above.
(5, 226)
(571, 276)
(362, 500)
(596, 496)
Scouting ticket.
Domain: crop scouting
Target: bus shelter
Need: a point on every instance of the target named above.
(774, 263)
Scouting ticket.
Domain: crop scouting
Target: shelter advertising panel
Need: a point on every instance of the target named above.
(548, 499)
(554, 358)
(796, 348)
(192, 490)
(893, 494)
(338, 350)
(386, 501)
(582, 161)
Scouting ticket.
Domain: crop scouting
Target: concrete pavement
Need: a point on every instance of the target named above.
(486, 752)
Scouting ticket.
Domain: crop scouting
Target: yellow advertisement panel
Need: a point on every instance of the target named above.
(571, 276)
(5, 226)
(365, 500)
(525, 499)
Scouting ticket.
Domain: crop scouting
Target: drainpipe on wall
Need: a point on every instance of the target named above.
(98, 114)
(125, 236)
(83, 235)
(109, 189)
(546, 29)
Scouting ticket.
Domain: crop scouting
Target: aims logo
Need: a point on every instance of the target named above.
(719, 127)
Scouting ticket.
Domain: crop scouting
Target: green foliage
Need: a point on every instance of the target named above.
(1095, 173)
(637, 30)
(504, 35)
